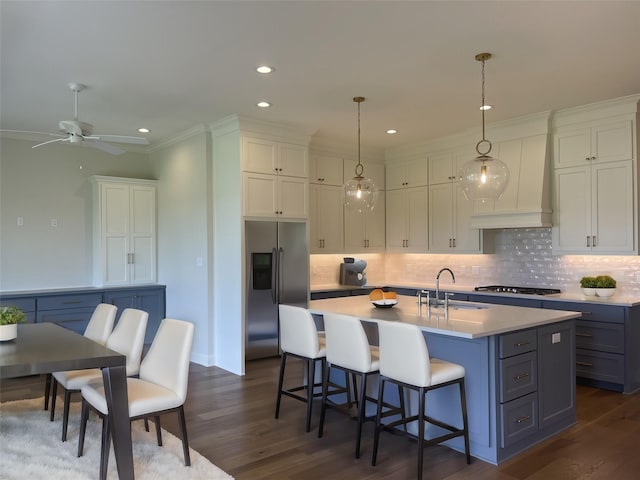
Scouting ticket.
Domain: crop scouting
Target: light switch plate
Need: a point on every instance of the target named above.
(555, 337)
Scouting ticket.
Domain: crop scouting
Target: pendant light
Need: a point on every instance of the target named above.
(484, 177)
(360, 193)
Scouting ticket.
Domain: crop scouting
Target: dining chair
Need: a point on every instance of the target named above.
(161, 388)
(98, 329)
(127, 339)
(405, 361)
(299, 338)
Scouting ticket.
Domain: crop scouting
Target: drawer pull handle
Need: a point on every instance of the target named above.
(588, 335)
(523, 419)
(521, 344)
(72, 302)
(584, 364)
(521, 376)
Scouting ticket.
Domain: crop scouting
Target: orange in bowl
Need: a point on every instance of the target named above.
(390, 295)
(376, 295)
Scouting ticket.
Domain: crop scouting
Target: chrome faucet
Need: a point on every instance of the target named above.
(437, 300)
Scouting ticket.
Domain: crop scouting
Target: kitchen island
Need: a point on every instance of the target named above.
(519, 363)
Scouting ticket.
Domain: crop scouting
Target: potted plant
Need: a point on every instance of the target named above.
(605, 286)
(588, 285)
(10, 316)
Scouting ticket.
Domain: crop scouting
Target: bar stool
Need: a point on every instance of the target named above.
(299, 338)
(404, 360)
(348, 350)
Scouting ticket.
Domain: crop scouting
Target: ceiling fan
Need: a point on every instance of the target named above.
(77, 132)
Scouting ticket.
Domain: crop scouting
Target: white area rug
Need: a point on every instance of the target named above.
(31, 448)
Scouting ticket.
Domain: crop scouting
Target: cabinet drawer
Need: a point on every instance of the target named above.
(605, 337)
(518, 376)
(602, 313)
(24, 304)
(57, 302)
(519, 419)
(75, 319)
(518, 342)
(607, 367)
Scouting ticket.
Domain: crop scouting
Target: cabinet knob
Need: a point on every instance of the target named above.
(593, 158)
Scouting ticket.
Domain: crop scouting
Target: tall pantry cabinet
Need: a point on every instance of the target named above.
(124, 231)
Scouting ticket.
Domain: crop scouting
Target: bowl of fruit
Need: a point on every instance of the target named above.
(381, 299)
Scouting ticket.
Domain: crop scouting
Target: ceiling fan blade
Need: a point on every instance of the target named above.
(105, 147)
(55, 140)
(120, 139)
(27, 132)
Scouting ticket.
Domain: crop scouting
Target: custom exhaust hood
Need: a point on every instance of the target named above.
(526, 149)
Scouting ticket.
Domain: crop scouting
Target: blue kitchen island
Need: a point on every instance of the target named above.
(519, 363)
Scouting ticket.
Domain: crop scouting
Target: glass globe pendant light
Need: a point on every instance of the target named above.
(484, 177)
(360, 193)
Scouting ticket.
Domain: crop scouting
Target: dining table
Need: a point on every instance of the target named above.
(42, 348)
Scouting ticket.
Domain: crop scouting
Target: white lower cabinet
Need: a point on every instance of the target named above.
(365, 232)
(407, 224)
(450, 221)
(594, 209)
(275, 196)
(124, 231)
(325, 219)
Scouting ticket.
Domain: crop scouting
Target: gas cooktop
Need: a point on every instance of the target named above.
(521, 290)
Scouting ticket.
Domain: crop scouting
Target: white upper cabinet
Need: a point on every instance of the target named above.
(275, 158)
(406, 174)
(275, 183)
(450, 214)
(325, 170)
(407, 220)
(443, 168)
(326, 218)
(124, 231)
(605, 142)
(365, 232)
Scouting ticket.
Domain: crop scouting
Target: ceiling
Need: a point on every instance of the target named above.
(172, 65)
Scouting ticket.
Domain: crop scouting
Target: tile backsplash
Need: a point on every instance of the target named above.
(522, 257)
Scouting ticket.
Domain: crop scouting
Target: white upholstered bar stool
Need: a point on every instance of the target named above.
(299, 338)
(98, 329)
(127, 339)
(405, 361)
(348, 350)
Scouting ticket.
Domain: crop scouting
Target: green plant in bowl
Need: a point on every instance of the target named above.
(11, 315)
(605, 281)
(588, 282)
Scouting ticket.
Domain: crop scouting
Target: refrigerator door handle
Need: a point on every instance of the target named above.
(274, 276)
(280, 273)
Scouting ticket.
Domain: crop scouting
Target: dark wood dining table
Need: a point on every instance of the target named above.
(47, 347)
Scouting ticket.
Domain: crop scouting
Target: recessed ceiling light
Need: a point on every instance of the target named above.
(392, 131)
(263, 104)
(264, 69)
(485, 107)
(144, 130)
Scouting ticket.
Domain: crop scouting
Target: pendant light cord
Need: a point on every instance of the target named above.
(482, 106)
(359, 167)
(482, 57)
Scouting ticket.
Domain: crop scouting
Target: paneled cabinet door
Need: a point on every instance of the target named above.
(274, 196)
(406, 175)
(607, 142)
(450, 221)
(326, 170)
(326, 215)
(406, 220)
(151, 301)
(594, 209)
(124, 232)
(275, 158)
(365, 232)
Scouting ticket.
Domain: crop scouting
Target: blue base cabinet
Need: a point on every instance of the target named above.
(72, 308)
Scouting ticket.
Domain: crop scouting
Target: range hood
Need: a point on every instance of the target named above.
(527, 200)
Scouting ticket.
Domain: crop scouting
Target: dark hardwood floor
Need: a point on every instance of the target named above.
(230, 420)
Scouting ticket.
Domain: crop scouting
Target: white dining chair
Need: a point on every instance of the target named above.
(98, 329)
(405, 361)
(127, 339)
(299, 338)
(161, 388)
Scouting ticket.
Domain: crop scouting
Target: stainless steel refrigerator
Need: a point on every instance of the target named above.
(277, 263)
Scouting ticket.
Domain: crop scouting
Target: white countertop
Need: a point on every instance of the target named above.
(616, 299)
(486, 320)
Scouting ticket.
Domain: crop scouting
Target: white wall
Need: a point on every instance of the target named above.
(46, 183)
(184, 230)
